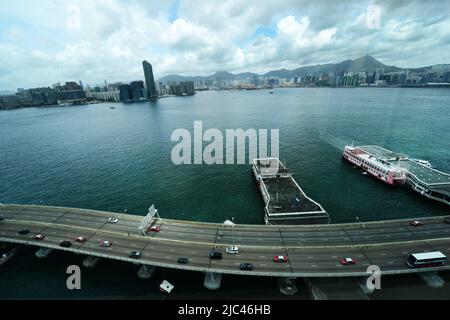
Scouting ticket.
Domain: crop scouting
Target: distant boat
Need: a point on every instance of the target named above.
(112, 107)
(271, 92)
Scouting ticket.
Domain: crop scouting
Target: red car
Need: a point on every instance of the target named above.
(39, 237)
(81, 239)
(416, 223)
(155, 229)
(279, 259)
(347, 261)
(106, 243)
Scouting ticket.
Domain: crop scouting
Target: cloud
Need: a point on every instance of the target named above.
(107, 39)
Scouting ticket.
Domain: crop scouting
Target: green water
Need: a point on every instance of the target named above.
(115, 159)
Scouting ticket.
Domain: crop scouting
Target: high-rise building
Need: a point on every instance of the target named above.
(137, 90)
(149, 80)
(125, 92)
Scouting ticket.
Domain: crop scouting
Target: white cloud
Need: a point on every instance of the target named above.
(114, 36)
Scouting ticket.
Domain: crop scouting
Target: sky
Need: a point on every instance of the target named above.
(47, 41)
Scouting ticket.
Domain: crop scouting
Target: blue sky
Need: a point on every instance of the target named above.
(47, 41)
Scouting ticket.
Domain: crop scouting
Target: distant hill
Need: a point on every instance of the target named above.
(366, 63)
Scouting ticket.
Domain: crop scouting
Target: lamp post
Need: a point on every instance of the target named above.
(363, 226)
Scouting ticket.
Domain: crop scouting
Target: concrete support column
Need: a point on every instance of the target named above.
(287, 286)
(212, 280)
(90, 262)
(363, 284)
(43, 253)
(146, 272)
(432, 279)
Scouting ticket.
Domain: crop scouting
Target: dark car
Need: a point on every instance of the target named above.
(215, 255)
(24, 232)
(135, 255)
(1, 218)
(183, 260)
(447, 220)
(246, 267)
(65, 244)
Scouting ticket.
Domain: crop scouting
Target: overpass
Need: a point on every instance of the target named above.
(312, 250)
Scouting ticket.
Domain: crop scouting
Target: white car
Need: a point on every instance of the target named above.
(232, 250)
(113, 220)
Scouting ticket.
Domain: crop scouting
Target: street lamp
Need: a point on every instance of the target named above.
(363, 226)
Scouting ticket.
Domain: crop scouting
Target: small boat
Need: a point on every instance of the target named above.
(112, 107)
(424, 163)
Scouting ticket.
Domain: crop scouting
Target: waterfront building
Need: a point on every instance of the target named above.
(149, 80)
(137, 90)
(125, 92)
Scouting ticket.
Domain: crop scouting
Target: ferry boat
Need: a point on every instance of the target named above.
(375, 166)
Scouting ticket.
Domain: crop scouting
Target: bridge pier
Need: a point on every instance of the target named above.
(335, 289)
(43, 253)
(432, 279)
(287, 286)
(90, 262)
(146, 272)
(212, 280)
(363, 284)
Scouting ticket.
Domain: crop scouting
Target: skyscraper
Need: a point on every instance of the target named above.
(149, 80)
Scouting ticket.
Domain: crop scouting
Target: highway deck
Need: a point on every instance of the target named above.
(312, 251)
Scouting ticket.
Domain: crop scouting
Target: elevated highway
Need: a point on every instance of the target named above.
(312, 251)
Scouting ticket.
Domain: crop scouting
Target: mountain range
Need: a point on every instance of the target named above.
(366, 63)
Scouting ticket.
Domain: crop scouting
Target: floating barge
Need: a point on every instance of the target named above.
(285, 201)
(423, 179)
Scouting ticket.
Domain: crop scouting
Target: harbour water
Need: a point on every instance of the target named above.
(116, 159)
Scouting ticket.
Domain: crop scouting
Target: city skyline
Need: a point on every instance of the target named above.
(106, 41)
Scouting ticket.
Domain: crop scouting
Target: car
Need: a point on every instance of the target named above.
(1, 218)
(447, 220)
(416, 223)
(135, 255)
(113, 220)
(215, 255)
(232, 250)
(65, 244)
(106, 243)
(183, 260)
(155, 229)
(280, 259)
(39, 236)
(246, 267)
(24, 232)
(347, 261)
(81, 239)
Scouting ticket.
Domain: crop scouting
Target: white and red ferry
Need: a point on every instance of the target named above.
(374, 165)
